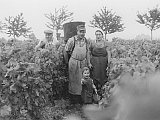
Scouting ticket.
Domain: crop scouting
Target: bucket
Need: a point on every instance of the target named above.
(70, 29)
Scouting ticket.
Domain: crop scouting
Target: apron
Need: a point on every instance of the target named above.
(76, 64)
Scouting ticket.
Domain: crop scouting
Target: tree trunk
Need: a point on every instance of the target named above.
(57, 34)
(105, 37)
(14, 36)
(151, 35)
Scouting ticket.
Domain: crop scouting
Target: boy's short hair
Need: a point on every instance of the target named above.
(84, 69)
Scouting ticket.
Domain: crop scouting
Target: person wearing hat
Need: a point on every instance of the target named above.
(47, 41)
(77, 46)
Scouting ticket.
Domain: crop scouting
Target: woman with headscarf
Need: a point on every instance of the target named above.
(100, 57)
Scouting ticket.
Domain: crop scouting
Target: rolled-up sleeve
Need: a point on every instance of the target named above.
(40, 44)
(69, 45)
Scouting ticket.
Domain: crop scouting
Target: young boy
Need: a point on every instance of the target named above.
(88, 87)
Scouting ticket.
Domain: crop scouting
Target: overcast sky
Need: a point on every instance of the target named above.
(83, 10)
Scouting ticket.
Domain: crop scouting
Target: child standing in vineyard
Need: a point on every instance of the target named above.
(89, 91)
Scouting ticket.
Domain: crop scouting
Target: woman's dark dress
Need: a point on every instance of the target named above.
(99, 61)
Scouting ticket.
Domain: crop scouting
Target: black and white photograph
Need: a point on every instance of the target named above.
(79, 59)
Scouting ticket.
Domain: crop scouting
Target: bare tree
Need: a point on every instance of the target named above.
(151, 19)
(16, 26)
(57, 19)
(107, 21)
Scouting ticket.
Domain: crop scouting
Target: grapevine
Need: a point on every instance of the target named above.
(30, 80)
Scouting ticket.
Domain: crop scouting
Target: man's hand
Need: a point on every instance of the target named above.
(90, 66)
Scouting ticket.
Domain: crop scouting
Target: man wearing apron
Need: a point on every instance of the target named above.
(80, 58)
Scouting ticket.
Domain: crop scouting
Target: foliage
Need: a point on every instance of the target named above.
(32, 36)
(131, 55)
(16, 26)
(58, 18)
(151, 19)
(107, 21)
(30, 80)
(2, 27)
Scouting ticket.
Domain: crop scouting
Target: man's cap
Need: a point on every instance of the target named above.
(81, 27)
(48, 32)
